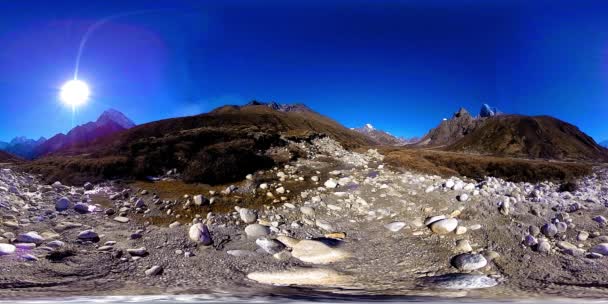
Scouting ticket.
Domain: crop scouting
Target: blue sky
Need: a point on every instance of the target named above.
(400, 65)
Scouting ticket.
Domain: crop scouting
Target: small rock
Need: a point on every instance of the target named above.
(89, 235)
(255, 231)
(200, 234)
(444, 226)
(330, 183)
(601, 248)
(460, 281)
(6, 249)
(582, 236)
(248, 216)
(300, 276)
(121, 219)
(154, 270)
(138, 252)
(549, 230)
(269, 245)
(30, 237)
(395, 226)
(62, 204)
(469, 261)
(463, 197)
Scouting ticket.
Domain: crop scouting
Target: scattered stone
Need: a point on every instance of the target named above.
(601, 248)
(463, 197)
(460, 281)
(269, 245)
(444, 226)
(300, 276)
(121, 219)
(89, 235)
(309, 211)
(543, 247)
(88, 186)
(316, 252)
(200, 234)
(255, 231)
(463, 246)
(62, 204)
(582, 236)
(154, 270)
(138, 252)
(395, 226)
(325, 225)
(330, 183)
(549, 230)
(6, 249)
(30, 237)
(248, 216)
(469, 261)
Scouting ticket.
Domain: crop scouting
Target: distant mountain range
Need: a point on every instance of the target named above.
(110, 121)
(383, 138)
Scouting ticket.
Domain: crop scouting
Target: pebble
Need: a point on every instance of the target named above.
(395, 226)
(138, 252)
(530, 240)
(463, 246)
(444, 226)
(460, 281)
(30, 237)
(269, 245)
(433, 219)
(6, 249)
(255, 231)
(549, 230)
(248, 216)
(330, 183)
(316, 252)
(62, 204)
(582, 236)
(543, 247)
(199, 233)
(601, 248)
(300, 276)
(88, 235)
(469, 261)
(154, 270)
(309, 211)
(463, 197)
(325, 225)
(121, 219)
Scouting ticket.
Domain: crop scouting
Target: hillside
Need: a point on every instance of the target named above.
(220, 146)
(529, 137)
(450, 130)
(6, 157)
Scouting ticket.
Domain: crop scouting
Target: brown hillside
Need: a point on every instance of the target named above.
(221, 146)
(539, 137)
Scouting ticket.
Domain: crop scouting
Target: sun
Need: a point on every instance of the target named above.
(74, 93)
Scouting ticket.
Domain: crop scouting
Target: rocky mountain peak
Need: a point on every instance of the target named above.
(117, 117)
(462, 112)
(487, 111)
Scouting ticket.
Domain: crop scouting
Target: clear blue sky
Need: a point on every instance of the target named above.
(400, 65)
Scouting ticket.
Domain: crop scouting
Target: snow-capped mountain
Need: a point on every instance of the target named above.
(22, 146)
(382, 137)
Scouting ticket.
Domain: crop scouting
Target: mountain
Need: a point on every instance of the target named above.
(110, 122)
(450, 130)
(216, 147)
(3, 145)
(22, 146)
(487, 111)
(542, 137)
(380, 137)
(604, 144)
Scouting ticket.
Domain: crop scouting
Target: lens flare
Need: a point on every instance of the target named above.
(74, 93)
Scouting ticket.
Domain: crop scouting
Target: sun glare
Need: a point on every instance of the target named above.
(74, 93)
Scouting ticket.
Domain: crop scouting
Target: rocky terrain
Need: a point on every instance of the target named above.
(331, 221)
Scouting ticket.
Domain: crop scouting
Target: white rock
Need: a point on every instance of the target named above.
(395, 226)
(6, 249)
(300, 276)
(330, 183)
(316, 252)
(444, 226)
(248, 216)
(469, 262)
(199, 233)
(256, 230)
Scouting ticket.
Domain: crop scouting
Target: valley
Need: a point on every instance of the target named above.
(279, 200)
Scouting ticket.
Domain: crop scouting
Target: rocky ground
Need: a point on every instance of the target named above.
(332, 222)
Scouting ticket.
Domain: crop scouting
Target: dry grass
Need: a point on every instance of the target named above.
(477, 166)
